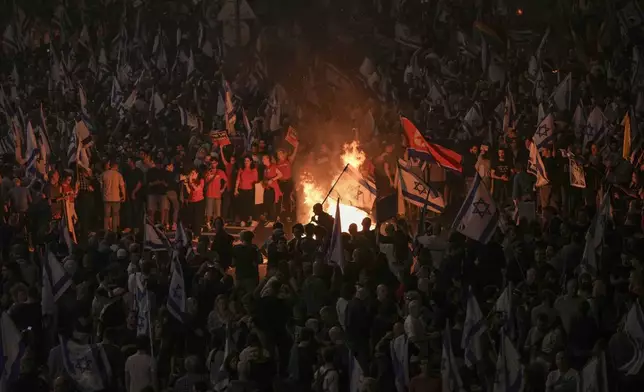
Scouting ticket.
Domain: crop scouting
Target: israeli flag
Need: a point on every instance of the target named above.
(595, 124)
(355, 190)
(503, 305)
(478, 217)
(336, 249)
(32, 150)
(399, 350)
(509, 371)
(11, 351)
(86, 365)
(417, 192)
(177, 291)
(544, 134)
(154, 239)
(55, 281)
(593, 377)
(451, 379)
(473, 329)
(142, 305)
(595, 236)
(536, 166)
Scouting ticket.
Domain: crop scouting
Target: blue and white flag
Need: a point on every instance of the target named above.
(82, 133)
(32, 151)
(417, 192)
(536, 166)
(176, 302)
(509, 371)
(356, 376)
(503, 305)
(153, 238)
(451, 378)
(86, 364)
(544, 135)
(478, 217)
(399, 350)
(634, 324)
(594, 377)
(473, 329)
(355, 190)
(55, 281)
(336, 249)
(562, 96)
(11, 351)
(142, 305)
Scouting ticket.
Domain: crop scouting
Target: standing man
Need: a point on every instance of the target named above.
(113, 196)
(133, 183)
(85, 201)
(157, 188)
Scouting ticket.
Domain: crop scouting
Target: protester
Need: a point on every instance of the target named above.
(510, 137)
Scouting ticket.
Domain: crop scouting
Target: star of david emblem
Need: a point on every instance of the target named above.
(420, 188)
(83, 365)
(176, 292)
(481, 208)
(542, 131)
(141, 321)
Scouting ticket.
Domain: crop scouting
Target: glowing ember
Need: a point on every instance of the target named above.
(314, 191)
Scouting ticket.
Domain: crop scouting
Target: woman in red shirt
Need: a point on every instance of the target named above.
(214, 190)
(272, 192)
(247, 177)
(285, 166)
(196, 209)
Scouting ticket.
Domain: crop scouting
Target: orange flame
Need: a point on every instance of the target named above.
(314, 192)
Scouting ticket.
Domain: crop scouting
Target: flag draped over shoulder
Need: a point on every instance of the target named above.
(478, 217)
(593, 377)
(86, 364)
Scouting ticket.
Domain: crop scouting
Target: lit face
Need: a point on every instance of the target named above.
(55, 177)
(266, 161)
(247, 163)
(501, 154)
(281, 155)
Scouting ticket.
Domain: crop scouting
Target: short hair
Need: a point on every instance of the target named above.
(143, 343)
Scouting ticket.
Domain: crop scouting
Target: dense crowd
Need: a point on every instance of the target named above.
(138, 133)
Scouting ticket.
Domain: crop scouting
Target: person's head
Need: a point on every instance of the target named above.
(298, 230)
(501, 154)
(414, 308)
(382, 292)
(328, 355)
(353, 229)
(366, 224)
(281, 155)
(191, 364)
(246, 237)
(54, 177)
(143, 344)
(474, 150)
(248, 162)
(113, 164)
(67, 179)
(571, 287)
(561, 360)
(336, 334)
(317, 209)
(19, 293)
(219, 223)
(266, 160)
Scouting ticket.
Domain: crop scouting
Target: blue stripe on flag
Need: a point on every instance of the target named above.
(467, 205)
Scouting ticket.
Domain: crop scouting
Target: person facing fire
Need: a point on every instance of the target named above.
(322, 218)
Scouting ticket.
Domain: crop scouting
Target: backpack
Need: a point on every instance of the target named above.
(318, 383)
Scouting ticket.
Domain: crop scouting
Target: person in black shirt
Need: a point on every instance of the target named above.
(172, 193)
(157, 188)
(322, 218)
(500, 174)
(133, 177)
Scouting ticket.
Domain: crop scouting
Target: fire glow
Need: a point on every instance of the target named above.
(314, 192)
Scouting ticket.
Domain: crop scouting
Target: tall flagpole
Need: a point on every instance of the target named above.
(335, 183)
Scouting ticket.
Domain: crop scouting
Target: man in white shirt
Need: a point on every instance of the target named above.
(140, 368)
(564, 378)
